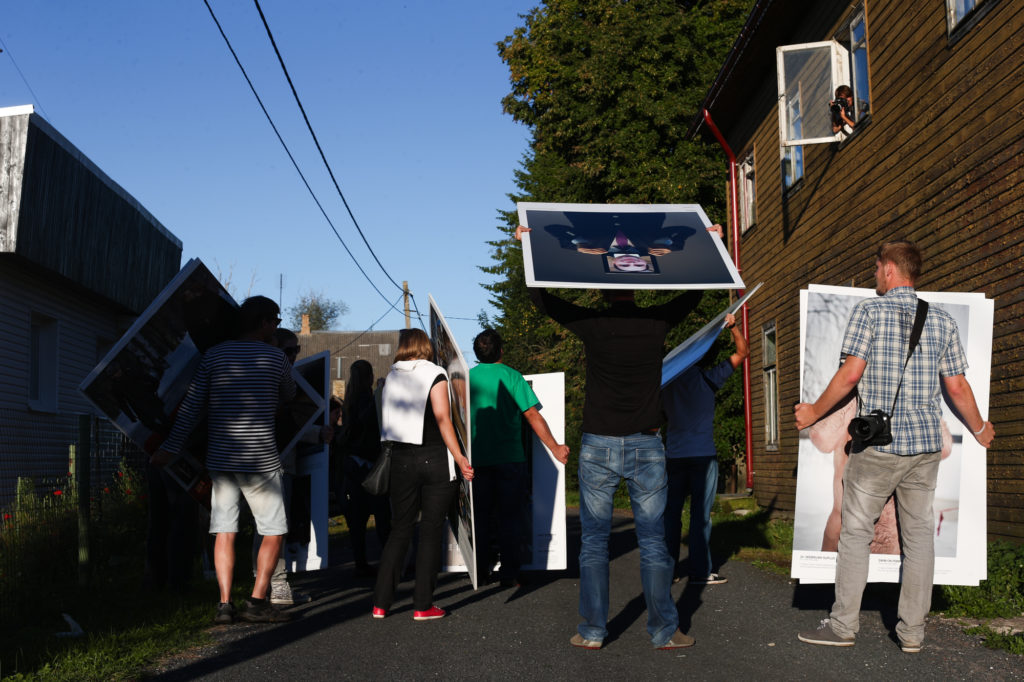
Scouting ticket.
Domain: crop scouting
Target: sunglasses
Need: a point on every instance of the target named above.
(293, 350)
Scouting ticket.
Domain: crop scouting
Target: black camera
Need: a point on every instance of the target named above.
(835, 106)
(874, 428)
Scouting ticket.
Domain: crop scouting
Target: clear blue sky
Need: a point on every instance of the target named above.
(405, 98)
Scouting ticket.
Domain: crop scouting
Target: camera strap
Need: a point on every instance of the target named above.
(915, 336)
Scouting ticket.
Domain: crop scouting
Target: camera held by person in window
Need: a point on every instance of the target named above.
(841, 109)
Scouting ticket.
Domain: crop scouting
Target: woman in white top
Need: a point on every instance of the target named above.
(416, 417)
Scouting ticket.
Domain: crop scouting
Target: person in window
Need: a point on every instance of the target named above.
(841, 109)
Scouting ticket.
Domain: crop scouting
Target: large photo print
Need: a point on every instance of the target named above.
(823, 450)
(623, 246)
(459, 541)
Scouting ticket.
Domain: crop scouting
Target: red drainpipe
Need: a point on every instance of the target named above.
(734, 220)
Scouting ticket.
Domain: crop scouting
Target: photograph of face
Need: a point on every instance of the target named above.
(627, 262)
(623, 246)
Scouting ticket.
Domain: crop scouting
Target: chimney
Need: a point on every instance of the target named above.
(305, 325)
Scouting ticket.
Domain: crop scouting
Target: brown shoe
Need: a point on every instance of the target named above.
(579, 641)
(678, 641)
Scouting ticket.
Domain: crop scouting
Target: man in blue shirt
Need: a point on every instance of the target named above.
(874, 351)
(692, 461)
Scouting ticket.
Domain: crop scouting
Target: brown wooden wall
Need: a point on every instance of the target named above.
(941, 162)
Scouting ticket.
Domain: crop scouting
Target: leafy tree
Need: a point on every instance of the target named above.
(322, 311)
(609, 89)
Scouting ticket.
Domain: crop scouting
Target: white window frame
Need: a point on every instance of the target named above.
(747, 194)
(792, 158)
(959, 11)
(43, 358)
(769, 373)
(855, 77)
(839, 61)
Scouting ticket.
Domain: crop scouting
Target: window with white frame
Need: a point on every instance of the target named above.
(853, 37)
(959, 10)
(792, 166)
(747, 196)
(42, 365)
(808, 75)
(771, 386)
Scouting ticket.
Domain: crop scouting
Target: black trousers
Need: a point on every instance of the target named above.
(499, 504)
(419, 485)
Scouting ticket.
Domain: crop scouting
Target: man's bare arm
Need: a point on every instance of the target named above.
(540, 427)
(960, 393)
(742, 347)
(844, 381)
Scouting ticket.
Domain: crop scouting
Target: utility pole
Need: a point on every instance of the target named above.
(405, 295)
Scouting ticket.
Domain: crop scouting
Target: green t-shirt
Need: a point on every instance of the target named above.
(498, 396)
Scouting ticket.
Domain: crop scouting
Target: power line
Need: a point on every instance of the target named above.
(369, 329)
(291, 157)
(23, 79)
(330, 172)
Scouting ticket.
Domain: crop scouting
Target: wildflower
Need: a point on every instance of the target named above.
(128, 491)
(58, 492)
(106, 490)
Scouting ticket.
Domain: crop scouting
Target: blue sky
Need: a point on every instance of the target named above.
(405, 98)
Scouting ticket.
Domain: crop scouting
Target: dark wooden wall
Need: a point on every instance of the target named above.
(941, 162)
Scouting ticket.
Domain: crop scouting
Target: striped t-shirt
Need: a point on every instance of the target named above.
(238, 386)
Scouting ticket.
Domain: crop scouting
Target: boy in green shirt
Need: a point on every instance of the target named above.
(500, 398)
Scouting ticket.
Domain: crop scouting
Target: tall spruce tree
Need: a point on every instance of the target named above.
(609, 89)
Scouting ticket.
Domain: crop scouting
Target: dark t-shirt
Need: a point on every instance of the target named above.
(624, 346)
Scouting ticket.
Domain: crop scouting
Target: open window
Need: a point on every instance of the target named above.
(771, 386)
(747, 197)
(853, 37)
(808, 75)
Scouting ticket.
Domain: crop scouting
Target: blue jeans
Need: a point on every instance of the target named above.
(698, 478)
(604, 461)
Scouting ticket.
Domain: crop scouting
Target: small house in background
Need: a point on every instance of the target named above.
(376, 347)
(935, 155)
(79, 259)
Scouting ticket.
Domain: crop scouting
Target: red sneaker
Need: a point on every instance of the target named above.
(379, 612)
(433, 613)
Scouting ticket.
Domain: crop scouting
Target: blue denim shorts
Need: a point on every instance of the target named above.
(262, 491)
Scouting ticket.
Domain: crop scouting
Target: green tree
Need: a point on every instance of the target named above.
(609, 89)
(322, 311)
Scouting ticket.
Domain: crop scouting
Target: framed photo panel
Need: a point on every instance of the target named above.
(959, 508)
(623, 246)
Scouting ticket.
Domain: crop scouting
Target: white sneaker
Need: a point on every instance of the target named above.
(712, 579)
(281, 593)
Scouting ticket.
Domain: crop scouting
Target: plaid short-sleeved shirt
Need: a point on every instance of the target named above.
(879, 334)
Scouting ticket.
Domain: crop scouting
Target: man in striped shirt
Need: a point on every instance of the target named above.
(238, 387)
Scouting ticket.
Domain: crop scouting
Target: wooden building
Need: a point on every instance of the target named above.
(376, 347)
(936, 156)
(79, 259)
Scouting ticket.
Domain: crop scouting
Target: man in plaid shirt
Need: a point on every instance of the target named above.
(874, 350)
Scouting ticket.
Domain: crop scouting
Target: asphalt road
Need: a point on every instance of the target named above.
(745, 628)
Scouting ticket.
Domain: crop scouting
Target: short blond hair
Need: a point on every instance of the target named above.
(414, 344)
